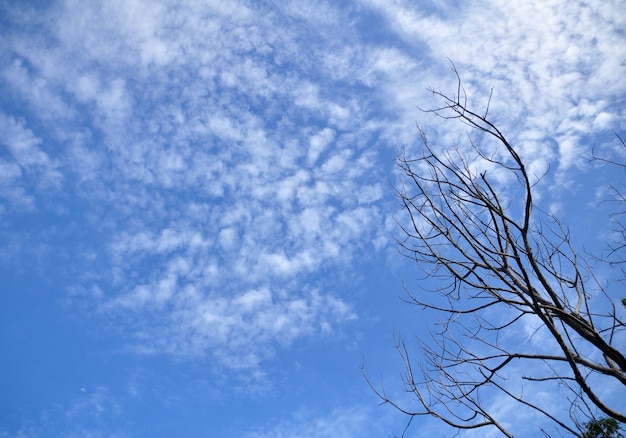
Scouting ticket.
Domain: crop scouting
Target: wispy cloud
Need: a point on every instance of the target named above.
(26, 167)
(224, 174)
(555, 69)
(352, 421)
(88, 415)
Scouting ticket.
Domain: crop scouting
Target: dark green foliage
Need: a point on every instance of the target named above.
(603, 428)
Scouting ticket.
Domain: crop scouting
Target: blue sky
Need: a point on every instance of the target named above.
(197, 232)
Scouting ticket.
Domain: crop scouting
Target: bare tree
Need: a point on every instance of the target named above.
(521, 313)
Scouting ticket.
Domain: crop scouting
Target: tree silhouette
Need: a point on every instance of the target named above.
(520, 311)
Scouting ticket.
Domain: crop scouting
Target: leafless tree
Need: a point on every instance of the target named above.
(520, 312)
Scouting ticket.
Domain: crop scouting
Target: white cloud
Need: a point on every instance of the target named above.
(553, 66)
(241, 330)
(27, 165)
(25, 149)
(318, 143)
(352, 421)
